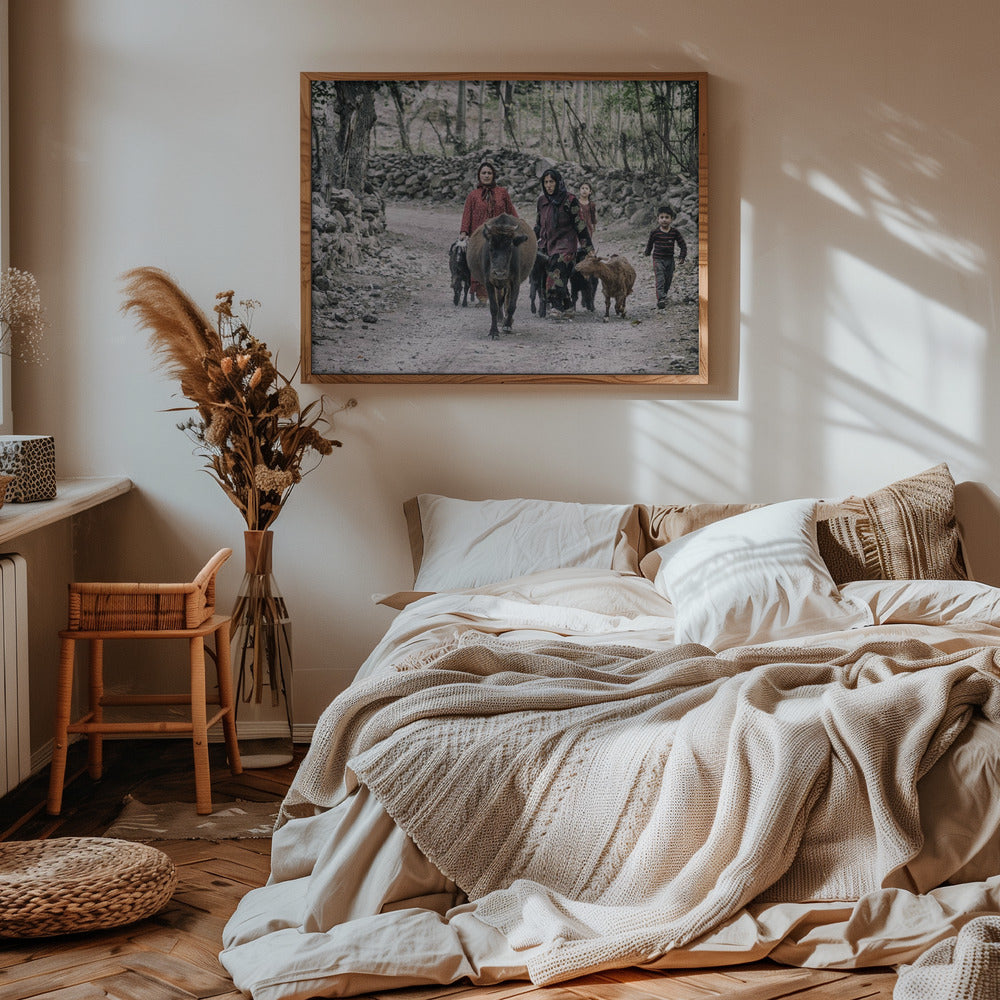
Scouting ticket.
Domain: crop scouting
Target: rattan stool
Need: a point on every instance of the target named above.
(71, 884)
(100, 611)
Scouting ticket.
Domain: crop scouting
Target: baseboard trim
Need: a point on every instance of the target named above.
(41, 757)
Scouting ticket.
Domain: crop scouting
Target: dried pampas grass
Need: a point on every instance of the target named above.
(179, 331)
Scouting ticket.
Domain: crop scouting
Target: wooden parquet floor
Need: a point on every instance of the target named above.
(174, 955)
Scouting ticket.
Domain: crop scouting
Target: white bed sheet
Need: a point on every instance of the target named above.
(352, 906)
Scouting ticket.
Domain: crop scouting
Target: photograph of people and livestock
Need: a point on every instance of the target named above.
(504, 230)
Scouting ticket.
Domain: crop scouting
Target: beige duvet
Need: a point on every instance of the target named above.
(606, 798)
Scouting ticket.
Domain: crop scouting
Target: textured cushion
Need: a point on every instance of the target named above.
(663, 523)
(904, 531)
(754, 577)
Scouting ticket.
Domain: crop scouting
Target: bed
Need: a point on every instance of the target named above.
(666, 736)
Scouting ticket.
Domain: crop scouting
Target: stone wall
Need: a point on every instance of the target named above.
(346, 236)
(345, 231)
(619, 195)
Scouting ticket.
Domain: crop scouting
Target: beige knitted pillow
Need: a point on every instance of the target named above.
(662, 523)
(904, 531)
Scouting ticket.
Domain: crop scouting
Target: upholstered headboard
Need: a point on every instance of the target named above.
(977, 509)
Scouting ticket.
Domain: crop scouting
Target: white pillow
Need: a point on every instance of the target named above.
(470, 543)
(752, 578)
(928, 602)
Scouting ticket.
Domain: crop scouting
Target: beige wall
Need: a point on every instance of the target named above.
(853, 266)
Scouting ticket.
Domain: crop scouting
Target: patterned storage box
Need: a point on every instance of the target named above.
(31, 460)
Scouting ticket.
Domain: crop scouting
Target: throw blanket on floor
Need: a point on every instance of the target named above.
(603, 805)
(966, 967)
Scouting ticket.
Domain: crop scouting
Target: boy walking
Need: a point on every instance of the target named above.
(661, 243)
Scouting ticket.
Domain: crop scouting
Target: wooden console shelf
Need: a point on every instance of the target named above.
(72, 497)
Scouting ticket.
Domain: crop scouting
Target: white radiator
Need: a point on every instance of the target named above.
(15, 743)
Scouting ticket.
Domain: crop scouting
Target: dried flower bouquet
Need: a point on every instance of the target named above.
(250, 426)
(257, 439)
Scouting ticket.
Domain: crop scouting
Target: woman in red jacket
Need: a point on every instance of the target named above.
(485, 201)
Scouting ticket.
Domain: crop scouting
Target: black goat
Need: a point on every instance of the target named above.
(458, 264)
(581, 287)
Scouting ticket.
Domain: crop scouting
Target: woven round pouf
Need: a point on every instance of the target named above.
(71, 884)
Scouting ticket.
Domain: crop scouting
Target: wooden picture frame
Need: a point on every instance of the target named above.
(388, 166)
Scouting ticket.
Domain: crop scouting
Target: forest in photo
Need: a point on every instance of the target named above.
(390, 165)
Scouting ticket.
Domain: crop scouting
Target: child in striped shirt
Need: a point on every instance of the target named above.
(660, 244)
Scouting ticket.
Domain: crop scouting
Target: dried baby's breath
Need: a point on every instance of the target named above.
(272, 480)
(22, 318)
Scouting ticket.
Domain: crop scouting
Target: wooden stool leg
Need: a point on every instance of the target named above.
(224, 669)
(95, 742)
(64, 700)
(199, 724)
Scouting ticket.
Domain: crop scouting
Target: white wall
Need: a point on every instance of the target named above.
(853, 267)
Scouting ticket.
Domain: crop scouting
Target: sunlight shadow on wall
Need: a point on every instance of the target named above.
(688, 452)
(864, 299)
(890, 347)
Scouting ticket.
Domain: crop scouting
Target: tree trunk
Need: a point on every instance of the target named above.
(482, 112)
(642, 126)
(507, 107)
(564, 109)
(543, 130)
(623, 146)
(500, 113)
(320, 174)
(581, 140)
(555, 125)
(460, 119)
(356, 109)
(618, 117)
(400, 106)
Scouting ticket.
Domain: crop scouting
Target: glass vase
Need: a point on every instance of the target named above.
(262, 660)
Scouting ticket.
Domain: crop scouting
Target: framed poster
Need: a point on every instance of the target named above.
(514, 229)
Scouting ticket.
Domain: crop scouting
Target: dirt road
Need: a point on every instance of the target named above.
(412, 326)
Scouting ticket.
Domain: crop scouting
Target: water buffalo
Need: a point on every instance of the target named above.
(501, 254)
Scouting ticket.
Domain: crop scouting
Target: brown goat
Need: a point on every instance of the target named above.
(617, 279)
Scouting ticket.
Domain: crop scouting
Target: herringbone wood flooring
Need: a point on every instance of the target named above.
(174, 955)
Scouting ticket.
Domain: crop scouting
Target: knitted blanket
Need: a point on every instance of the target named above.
(604, 805)
(964, 967)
